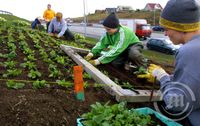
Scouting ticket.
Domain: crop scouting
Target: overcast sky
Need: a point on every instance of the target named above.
(30, 9)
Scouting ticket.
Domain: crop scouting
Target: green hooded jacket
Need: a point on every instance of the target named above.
(116, 43)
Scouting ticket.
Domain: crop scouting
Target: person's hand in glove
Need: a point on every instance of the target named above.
(150, 78)
(57, 36)
(154, 71)
(95, 62)
(157, 71)
(51, 34)
(89, 56)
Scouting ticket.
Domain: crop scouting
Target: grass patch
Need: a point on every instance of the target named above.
(139, 14)
(12, 17)
(92, 39)
(158, 57)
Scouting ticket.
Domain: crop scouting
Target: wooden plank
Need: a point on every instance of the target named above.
(78, 50)
(110, 86)
(142, 96)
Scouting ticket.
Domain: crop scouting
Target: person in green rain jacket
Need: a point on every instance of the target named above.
(121, 45)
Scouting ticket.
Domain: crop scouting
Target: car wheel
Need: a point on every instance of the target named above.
(148, 47)
(169, 52)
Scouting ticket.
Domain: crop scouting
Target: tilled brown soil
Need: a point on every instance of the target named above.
(54, 106)
(48, 106)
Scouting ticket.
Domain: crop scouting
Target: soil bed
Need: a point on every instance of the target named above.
(54, 105)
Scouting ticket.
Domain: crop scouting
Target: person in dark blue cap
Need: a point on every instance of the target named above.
(121, 43)
(181, 21)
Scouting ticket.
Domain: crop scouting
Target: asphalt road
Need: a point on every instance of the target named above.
(94, 32)
(97, 32)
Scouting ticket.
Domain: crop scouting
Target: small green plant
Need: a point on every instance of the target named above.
(3, 55)
(37, 45)
(20, 23)
(2, 19)
(53, 54)
(64, 83)
(126, 85)
(11, 55)
(30, 58)
(98, 86)
(11, 46)
(28, 51)
(141, 70)
(54, 72)
(40, 84)
(79, 37)
(10, 64)
(86, 76)
(13, 85)
(34, 74)
(60, 60)
(23, 44)
(12, 73)
(86, 84)
(105, 72)
(114, 115)
(29, 65)
(116, 80)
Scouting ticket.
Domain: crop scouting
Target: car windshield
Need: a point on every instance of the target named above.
(167, 41)
(170, 43)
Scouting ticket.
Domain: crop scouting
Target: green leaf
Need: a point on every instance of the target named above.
(115, 115)
(12, 72)
(39, 84)
(11, 55)
(11, 84)
(34, 74)
(64, 83)
(105, 123)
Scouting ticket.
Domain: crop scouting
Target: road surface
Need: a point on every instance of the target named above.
(97, 32)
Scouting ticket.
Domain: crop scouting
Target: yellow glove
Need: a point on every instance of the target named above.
(57, 36)
(95, 62)
(153, 71)
(157, 71)
(51, 34)
(89, 56)
(147, 76)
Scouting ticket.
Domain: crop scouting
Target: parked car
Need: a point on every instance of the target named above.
(158, 28)
(163, 45)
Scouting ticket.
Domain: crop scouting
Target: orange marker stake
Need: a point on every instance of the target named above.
(78, 83)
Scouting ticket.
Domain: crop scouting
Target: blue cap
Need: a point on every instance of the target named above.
(181, 15)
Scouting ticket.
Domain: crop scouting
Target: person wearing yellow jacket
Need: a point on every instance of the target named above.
(122, 44)
(48, 15)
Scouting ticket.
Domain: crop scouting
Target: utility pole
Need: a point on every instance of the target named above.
(85, 22)
(154, 16)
